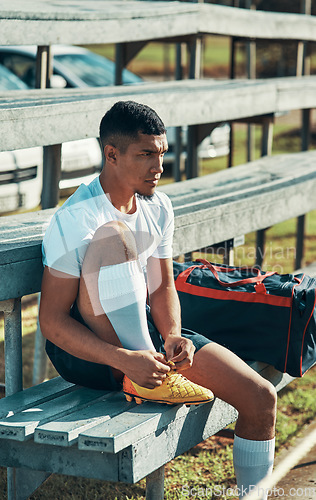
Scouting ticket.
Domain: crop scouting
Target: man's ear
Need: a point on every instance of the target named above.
(110, 154)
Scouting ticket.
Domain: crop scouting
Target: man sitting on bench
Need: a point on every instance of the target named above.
(108, 245)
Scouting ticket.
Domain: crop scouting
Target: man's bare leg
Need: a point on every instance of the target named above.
(112, 291)
(235, 382)
(110, 245)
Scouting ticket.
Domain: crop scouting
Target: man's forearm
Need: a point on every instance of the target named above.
(143, 367)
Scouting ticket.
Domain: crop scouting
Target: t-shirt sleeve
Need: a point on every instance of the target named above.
(65, 243)
(164, 249)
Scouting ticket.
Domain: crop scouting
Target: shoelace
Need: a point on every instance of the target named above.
(178, 384)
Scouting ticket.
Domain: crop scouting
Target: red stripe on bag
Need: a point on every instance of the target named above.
(301, 360)
(273, 300)
(289, 330)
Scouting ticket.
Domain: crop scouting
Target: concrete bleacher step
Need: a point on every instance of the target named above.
(51, 116)
(38, 22)
(66, 430)
(243, 199)
(39, 394)
(208, 210)
(20, 425)
(41, 23)
(87, 421)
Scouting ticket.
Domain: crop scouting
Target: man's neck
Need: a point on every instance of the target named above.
(124, 202)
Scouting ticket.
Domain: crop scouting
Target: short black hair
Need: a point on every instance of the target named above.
(125, 120)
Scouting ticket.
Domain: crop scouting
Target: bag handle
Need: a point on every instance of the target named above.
(255, 279)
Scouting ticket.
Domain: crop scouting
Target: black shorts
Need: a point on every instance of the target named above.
(99, 376)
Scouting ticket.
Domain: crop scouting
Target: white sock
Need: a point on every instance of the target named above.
(253, 460)
(122, 293)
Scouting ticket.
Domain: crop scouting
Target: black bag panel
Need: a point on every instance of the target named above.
(244, 328)
(302, 339)
(278, 332)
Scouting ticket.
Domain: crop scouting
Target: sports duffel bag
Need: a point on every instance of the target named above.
(260, 316)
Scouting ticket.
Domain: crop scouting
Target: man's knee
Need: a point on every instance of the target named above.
(263, 403)
(113, 243)
(269, 394)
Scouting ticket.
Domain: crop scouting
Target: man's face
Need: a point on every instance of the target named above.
(139, 168)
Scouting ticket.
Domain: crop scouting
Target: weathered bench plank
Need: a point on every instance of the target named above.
(116, 466)
(207, 211)
(38, 22)
(65, 431)
(40, 394)
(60, 460)
(45, 117)
(149, 453)
(21, 425)
(255, 24)
(244, 199)
(132, 425)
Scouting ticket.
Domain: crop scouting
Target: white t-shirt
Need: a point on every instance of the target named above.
(74, 224)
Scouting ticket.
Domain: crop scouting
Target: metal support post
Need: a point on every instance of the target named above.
(260, 247)
(300, 236)
(51, 176)
(192, 166)
(179, 71)
(20, 482)
(40, 359)
(251, 73)
(124, 53)
(266, 150)
(155, 484)
(301, 220)
(306, 129)
(267, 136)
(232, 76)
(43, 67)
(119, 63)
(192, 144)
(51, 154)
(12, 345)
(303, 68)
(50, 184)
(177, 164)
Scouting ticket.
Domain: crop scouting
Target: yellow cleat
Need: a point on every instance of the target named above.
(175, 389)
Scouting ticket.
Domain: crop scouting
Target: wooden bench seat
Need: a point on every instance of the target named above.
(51, 116)
(255, 24)
(127, 21)
(123, 438)
(40, 23)
(208, 210)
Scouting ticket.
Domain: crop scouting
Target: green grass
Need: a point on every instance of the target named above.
(159, 59)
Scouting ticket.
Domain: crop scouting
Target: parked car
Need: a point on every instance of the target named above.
(73, 66)
(21, 171)
(79, 67)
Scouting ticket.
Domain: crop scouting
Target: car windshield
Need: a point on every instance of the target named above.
(8, 81)
(94, 70)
